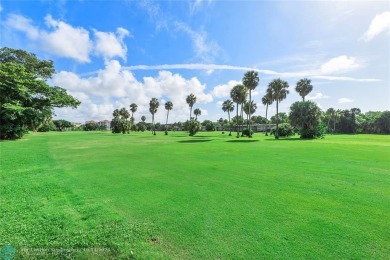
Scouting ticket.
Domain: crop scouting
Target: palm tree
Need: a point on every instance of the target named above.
(238, 94)
(228, 106)
(249, 109)
(191, 99)
(168, 107)
(250, 81)
(153, 105)
(197, 113)
(278, 90)
(267, 100)
(124, 116)
(143, 118)
(133, 109)
(304, 87)
(330, 113)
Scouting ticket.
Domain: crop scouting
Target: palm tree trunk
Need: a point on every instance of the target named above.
(190, 113)
(242, 117)
(277, 120)
(154, 126)
(230, 126)
(266, 122)
(166, 123)
(237, 123)
(249, 115)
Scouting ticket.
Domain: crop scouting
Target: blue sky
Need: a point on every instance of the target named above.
(110, 54)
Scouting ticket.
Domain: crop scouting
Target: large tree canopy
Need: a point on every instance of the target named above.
(26, 100)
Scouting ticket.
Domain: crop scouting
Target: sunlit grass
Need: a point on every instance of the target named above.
(210, 196)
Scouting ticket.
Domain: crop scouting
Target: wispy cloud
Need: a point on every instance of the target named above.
(200, 66)
(197, 5)
(205, 50)
(317, 96)
(380, 24)
(344, 100)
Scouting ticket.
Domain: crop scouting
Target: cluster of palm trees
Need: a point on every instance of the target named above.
(240, 94)
(276, 92)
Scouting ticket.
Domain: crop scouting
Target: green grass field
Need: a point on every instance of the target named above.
(94, 195)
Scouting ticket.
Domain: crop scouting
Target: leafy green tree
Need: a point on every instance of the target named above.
(303, 87)
(367, 123)
(238, 95)
(26, 100)
(249, 107)
(383, 123)
(143, 118)
(250, 81)
(306, 117)
(282, 118)
(153, 106)
(347, 122)
(168, 107)
(259, 120)
(193, 127)
(191, 100)
(133, 109)
(208, 125)
(278, 90)
(91, 126)
(126, 125)
(197, 112)
(284, 130)
(267, 101)
(61, 124)
(228, 106)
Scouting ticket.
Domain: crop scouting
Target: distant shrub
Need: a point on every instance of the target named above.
(245, 132)
(285, 130)
(193, 127)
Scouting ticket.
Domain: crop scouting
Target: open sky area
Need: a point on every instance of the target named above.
(110, 54)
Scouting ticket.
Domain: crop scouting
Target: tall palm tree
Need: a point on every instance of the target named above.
(191, 99)
(133, 109)
(330, 113)
(250, 81)
(143, 118)
(267, 101)
(238, 94)
(153, 106)
(249, 109)
(278, 89)
(228, 106)
(304, 87)
(197, 112)
(168, 107)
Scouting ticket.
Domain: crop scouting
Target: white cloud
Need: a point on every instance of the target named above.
(317, 96)
(66, 41)
(115, 87)
(22, 24)
(344, 100)
(205, 50)
(197, 5)
(110, 45)
(380, 24)
(223, 90)
(340, 64)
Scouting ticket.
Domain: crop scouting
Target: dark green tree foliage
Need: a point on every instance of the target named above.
(193, 127)
(62, 125)
(26, 100)
(120, 123)
(284, 130)
(90, 126)
(208, 125)
(282, 118)
(383, 123)
(347, 122)
(259, 120)
(306, 117)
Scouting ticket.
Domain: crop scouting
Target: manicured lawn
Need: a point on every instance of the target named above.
(95, 194)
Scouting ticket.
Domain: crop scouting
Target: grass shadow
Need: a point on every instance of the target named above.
(195, 141)
(288, 139)
(242, 141)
